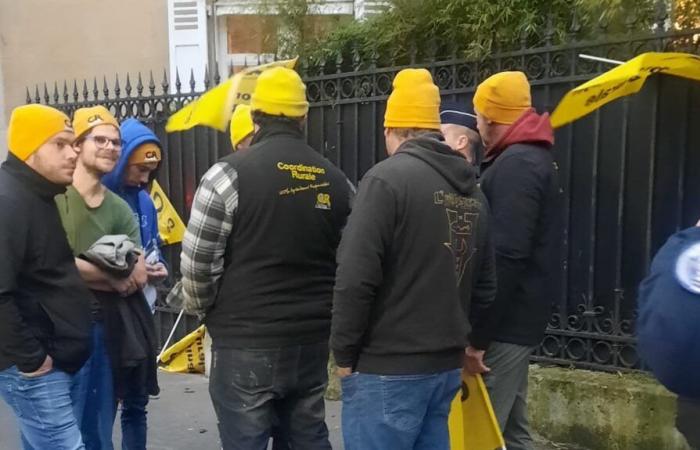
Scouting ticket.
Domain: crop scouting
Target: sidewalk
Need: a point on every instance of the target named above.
(182, 417)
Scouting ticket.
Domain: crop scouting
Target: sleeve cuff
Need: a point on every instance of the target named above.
(32, 364)
(344, 359)
(479, 341)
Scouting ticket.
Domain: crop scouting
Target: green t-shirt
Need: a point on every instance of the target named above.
(84, 225)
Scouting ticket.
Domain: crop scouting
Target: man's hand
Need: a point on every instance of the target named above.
(140, 273)
(123, 286)
(156, 272)
(474, 361)
(43, 370)
(343, 372)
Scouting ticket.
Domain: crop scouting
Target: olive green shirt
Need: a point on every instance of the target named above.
(85, 225)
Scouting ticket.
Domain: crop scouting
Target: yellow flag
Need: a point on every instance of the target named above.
(214, 107)
(170, 225)
(472, 423)
(625, 79)
(186, 355)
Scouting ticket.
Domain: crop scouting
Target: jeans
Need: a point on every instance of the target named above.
(133, 420)
(95, 403)
(398, 412)
(44, 409)
(507, 386)
(254, 390)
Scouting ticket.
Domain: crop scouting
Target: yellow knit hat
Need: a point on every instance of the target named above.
(241, 124)
(414, 102)
(85, 119)
(146, 153)
(503, 97)
(280, 92)
(31, 126)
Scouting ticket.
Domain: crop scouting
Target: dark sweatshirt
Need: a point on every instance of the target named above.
(520, 180)
(415, 264)
(44, 304)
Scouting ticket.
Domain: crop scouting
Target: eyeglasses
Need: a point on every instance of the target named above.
(102, 141)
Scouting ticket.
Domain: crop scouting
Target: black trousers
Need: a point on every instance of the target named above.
(256, 390)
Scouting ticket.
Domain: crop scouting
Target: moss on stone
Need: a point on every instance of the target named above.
(603, 411)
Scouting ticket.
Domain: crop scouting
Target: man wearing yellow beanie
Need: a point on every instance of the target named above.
(139, 159)
(242, 128)
(258, 262)
(89, 211)
(44, 304)
(519, 178)
(415, 269)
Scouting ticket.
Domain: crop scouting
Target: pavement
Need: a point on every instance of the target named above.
(182, 418)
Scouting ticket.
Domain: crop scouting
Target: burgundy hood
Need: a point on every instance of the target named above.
(530, 128)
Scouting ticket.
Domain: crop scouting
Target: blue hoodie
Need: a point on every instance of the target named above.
(134, 133)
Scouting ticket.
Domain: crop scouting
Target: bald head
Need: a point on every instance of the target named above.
(461, 139)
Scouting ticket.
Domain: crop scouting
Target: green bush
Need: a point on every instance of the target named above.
(424, 29)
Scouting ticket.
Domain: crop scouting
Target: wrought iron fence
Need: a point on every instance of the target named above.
(630, 172)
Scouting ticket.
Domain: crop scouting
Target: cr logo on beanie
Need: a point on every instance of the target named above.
(85, 119)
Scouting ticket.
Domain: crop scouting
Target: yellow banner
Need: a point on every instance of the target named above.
(170, 225)
(472, 423)
(625, 79)
(186, 355)
(214, 108)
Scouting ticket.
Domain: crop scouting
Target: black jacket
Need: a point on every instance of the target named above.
(522, 186)
(279, 264)
(129, 329)
(131, 342)
(415, 265)
(44, 304)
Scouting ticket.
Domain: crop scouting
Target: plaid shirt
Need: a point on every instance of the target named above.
(204, 244)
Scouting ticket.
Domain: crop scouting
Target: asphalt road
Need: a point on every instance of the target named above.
(182, 418)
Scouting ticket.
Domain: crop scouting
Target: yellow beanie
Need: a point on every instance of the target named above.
(146, 153)
(503, 97)
(241, 124)
(31, 126)
(414, 102)
(280, 92)
(85, 119)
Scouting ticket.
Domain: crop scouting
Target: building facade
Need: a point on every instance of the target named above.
(72, 40)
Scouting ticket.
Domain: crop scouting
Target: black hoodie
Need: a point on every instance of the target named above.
(415, 264)
(44, 304)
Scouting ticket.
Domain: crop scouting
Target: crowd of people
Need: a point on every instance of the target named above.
(441, 261)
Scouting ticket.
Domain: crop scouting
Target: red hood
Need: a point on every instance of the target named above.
(530, 128)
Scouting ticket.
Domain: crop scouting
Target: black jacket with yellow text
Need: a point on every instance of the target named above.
(279, 266)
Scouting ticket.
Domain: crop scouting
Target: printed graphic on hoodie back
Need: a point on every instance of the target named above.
(462, 227)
